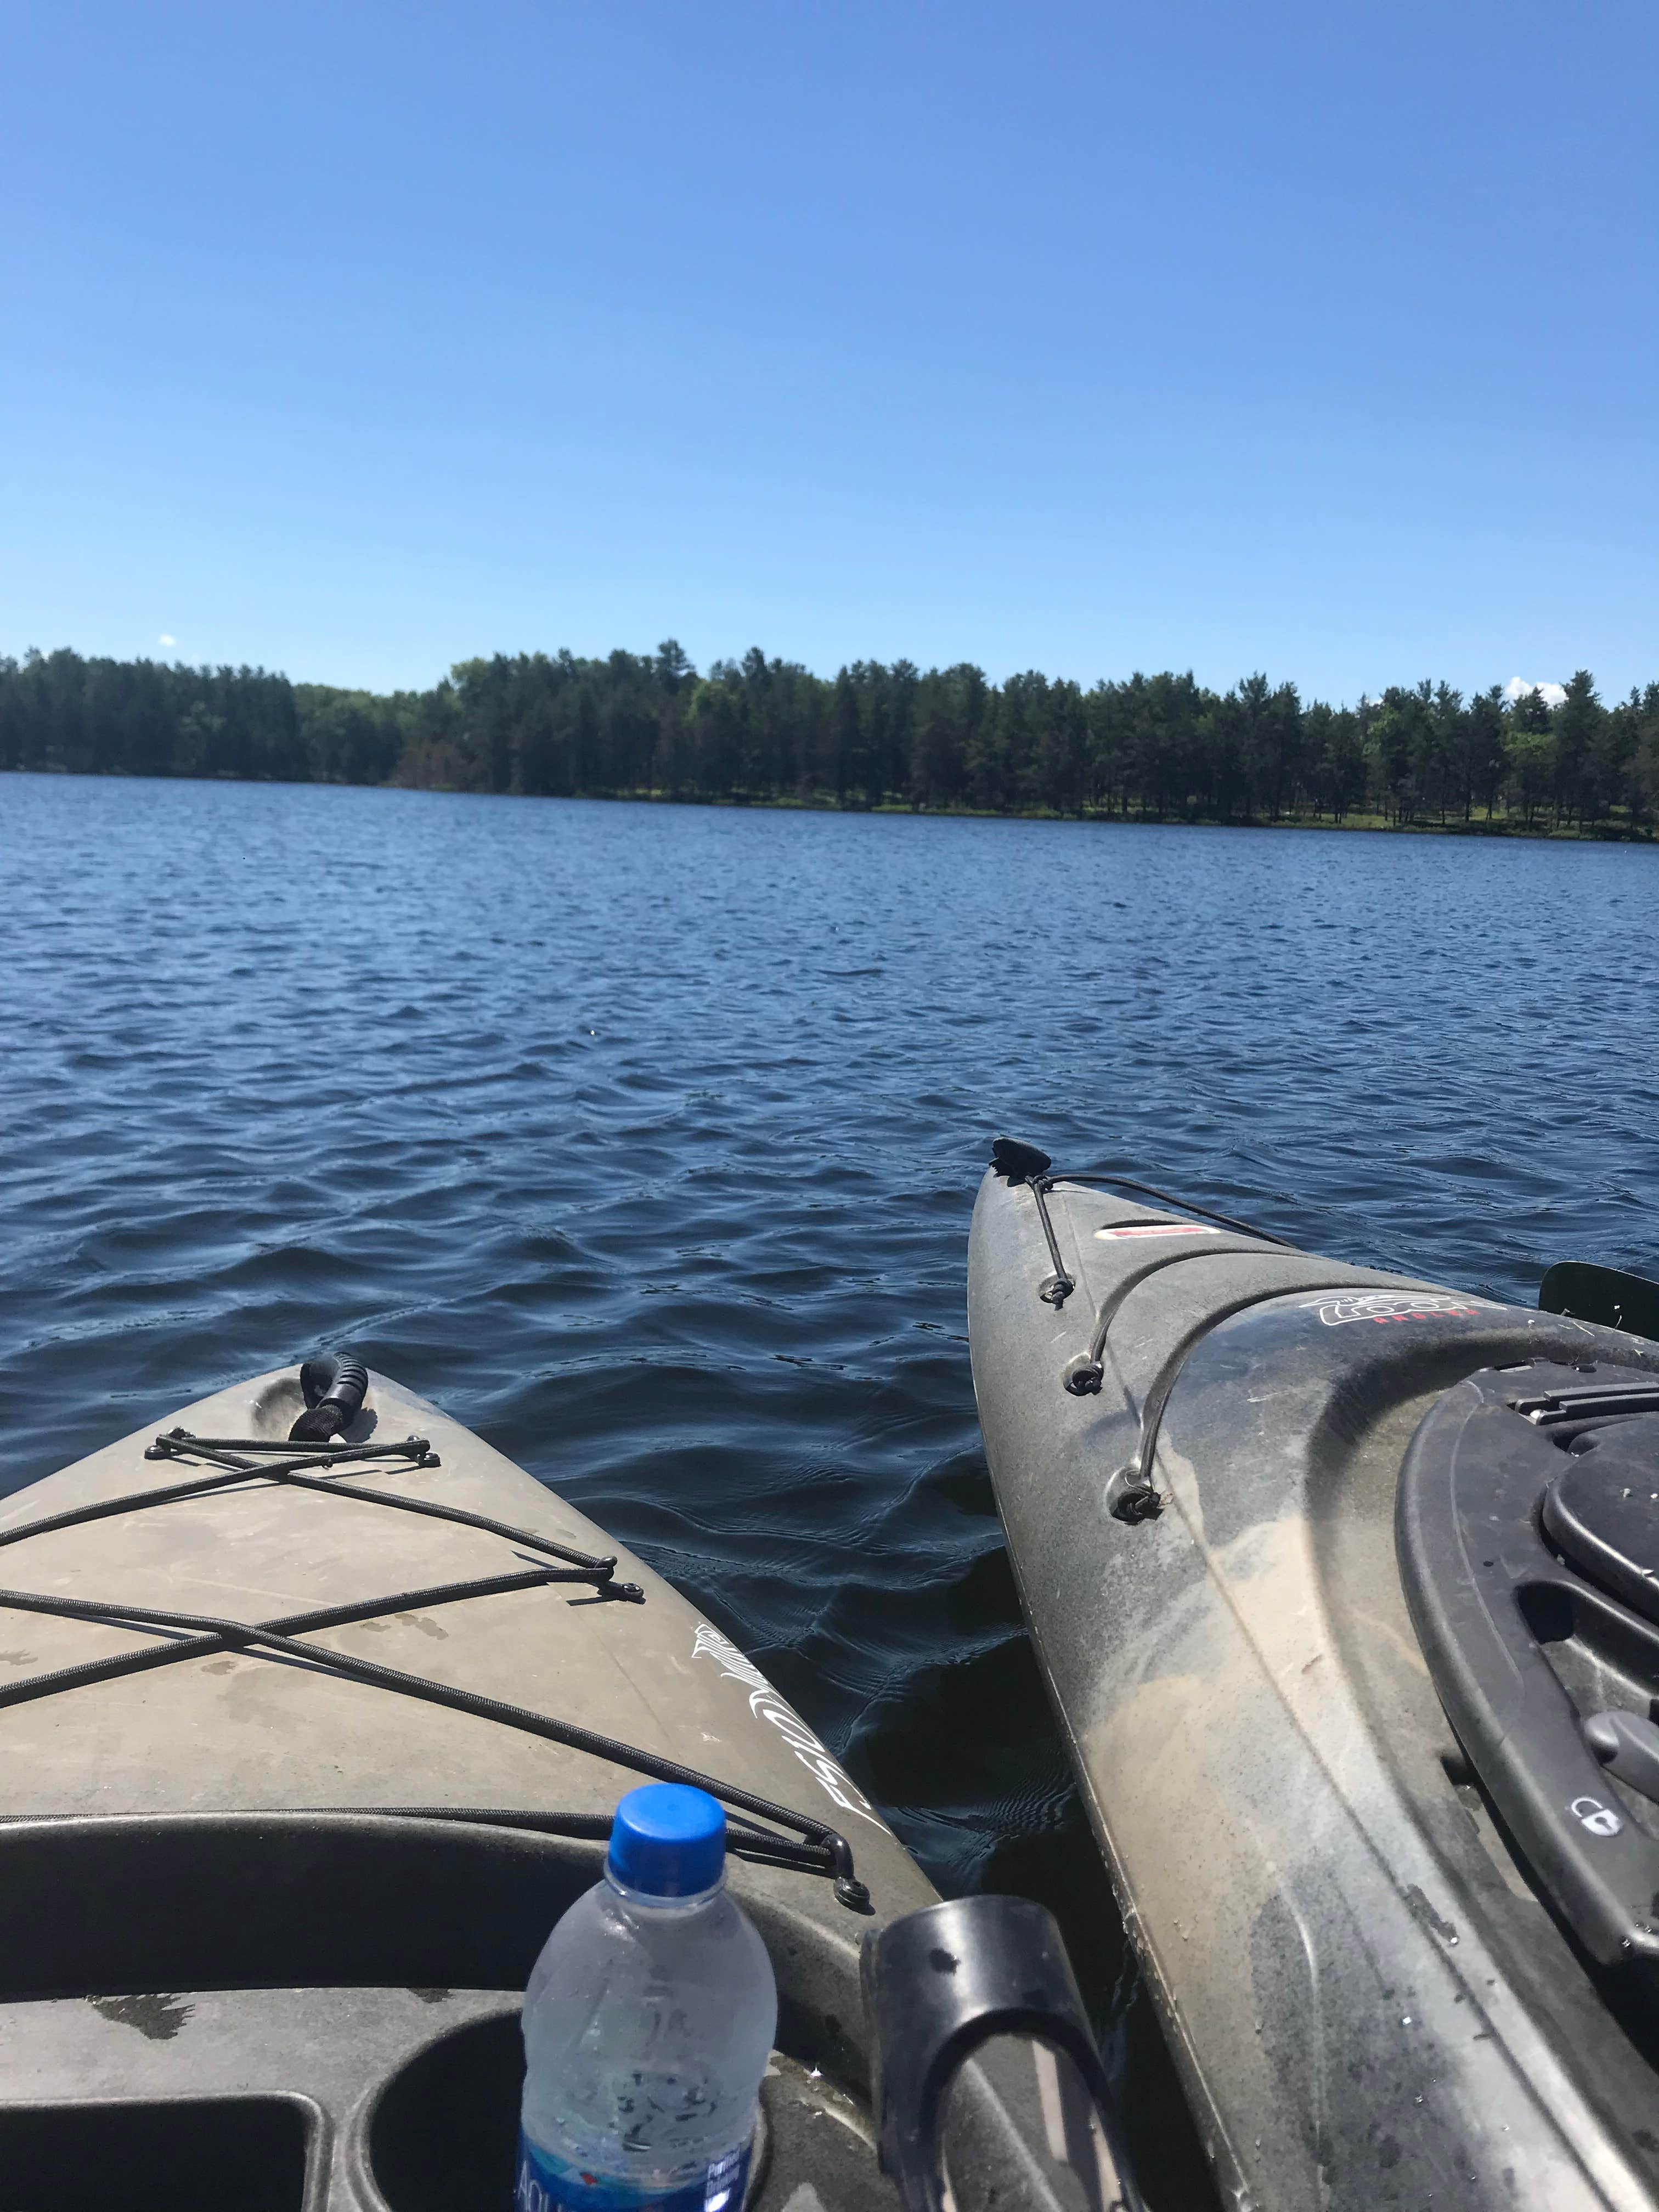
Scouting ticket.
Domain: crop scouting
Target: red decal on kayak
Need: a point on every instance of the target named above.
(1161, 1229)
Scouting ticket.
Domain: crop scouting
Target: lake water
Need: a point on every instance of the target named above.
(645, 1138)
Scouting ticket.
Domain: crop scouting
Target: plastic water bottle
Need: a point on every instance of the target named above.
(647, 2024)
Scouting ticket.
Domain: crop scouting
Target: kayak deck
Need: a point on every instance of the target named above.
(267, 1906)
(219, 1730)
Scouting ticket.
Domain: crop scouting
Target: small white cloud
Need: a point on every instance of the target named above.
(1518, 687)
(165, 640)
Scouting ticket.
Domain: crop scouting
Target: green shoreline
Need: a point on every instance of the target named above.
(1551, 761)
(1600, 833)
(1605, 833)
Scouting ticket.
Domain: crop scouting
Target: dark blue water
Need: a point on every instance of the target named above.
(645, 1138)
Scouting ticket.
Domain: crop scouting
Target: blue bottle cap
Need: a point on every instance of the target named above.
(667, 1840)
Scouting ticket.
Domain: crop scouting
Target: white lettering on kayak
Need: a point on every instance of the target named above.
(767, 1705)
(1161, 1229)
(1393, 1306)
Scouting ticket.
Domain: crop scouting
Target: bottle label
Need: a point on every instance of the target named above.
(546, 2184)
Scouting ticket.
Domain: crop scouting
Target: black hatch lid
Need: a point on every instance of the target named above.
(1602, 1511)
(1527, 1525)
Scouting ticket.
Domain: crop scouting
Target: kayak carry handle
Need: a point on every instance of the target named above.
(989, 1977)
(1019, 1163)
(334, 1385)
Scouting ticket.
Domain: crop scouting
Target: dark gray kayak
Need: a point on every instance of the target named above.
(1344, 1586)
(294, 1781)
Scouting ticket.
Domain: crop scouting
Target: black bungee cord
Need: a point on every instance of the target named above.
(821, 1850)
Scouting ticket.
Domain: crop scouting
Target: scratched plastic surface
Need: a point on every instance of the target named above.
(645, 1138)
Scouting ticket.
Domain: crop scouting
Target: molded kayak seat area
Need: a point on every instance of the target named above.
(275, 2101)
(1342, 1586)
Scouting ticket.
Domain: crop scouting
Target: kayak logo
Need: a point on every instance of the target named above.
(1335, 1311)
(1591, 1813)
(767, 1705)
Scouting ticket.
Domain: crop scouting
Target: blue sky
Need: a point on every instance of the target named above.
(353, 340)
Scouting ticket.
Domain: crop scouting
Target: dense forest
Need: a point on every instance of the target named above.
(1156, 748)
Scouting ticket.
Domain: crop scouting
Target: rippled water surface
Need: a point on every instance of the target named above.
(646, 1139)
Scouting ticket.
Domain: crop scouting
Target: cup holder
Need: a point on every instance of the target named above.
(445, 2133)
(444, 2136)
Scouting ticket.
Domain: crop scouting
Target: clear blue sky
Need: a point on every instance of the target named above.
(354, 339)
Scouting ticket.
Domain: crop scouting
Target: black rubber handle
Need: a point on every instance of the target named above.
(334, 1385)
(1019, 1163)
(943, 1985)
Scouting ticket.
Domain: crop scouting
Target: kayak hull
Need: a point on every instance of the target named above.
(1368, 2001)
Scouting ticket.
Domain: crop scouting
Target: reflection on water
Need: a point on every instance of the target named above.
(644, 1139)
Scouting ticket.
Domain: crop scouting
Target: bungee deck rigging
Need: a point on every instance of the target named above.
(302, 1463)
(1131, 1495)
(1020, 1163)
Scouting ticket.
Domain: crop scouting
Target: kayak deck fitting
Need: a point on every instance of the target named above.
(1353, 1642)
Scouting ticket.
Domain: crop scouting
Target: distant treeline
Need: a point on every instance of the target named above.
(1161, 748)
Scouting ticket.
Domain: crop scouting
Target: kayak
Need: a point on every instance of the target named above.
(307, 1739)
(1345, 1587)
